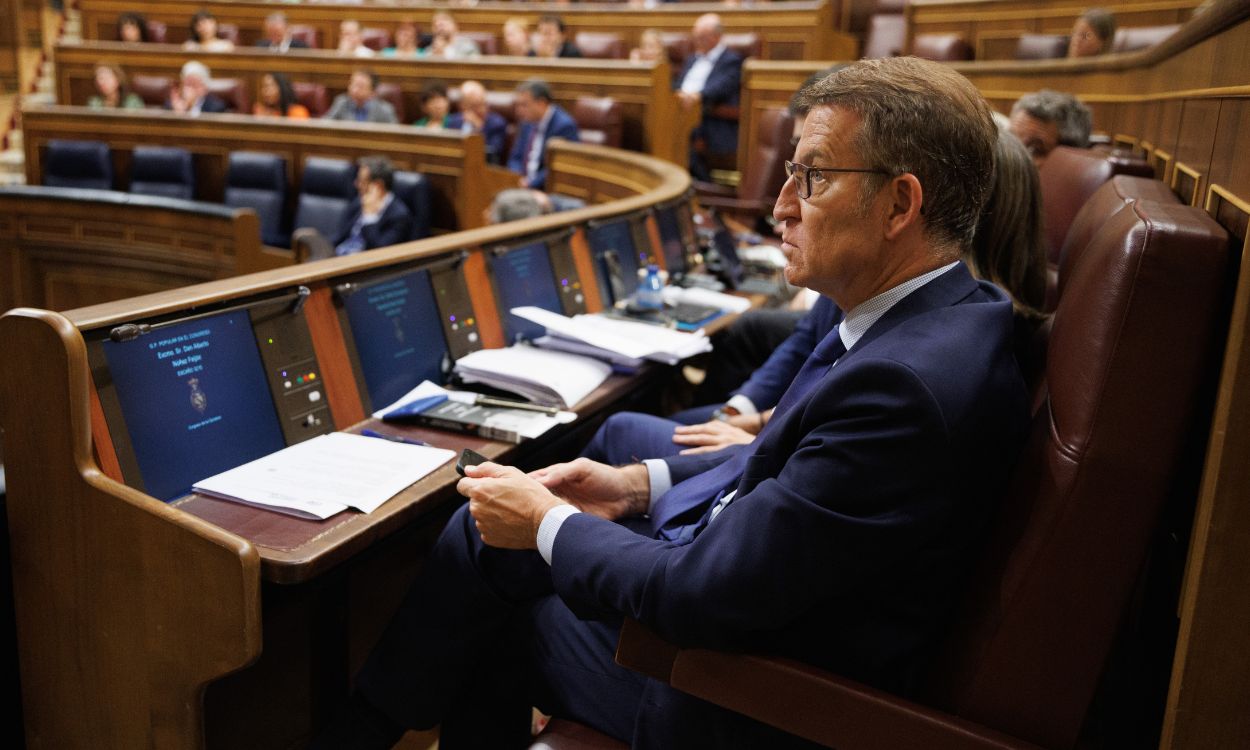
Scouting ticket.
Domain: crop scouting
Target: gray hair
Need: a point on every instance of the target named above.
(514, 204)
(537, 88)
(1074, 119)
(197, 69)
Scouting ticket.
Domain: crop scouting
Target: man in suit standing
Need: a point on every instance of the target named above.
(838, 540)
(360, 103)
(542, 119)
(278, 35)
(191, 96)
(376, 218)
(709, 80)
(476, 116)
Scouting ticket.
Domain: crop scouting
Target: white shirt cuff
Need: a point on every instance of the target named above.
(742, 404)
(659, 477)
(550, 526)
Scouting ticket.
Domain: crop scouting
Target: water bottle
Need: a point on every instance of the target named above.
(650, 291)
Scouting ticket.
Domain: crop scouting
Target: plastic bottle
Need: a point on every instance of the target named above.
(650, 291)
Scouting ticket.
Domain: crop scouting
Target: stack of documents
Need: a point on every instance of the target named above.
(434, 406)
(543, 377)
(621, 342)
(326, 475)
(676, 295)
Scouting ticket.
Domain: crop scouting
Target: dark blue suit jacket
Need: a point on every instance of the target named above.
(561, 125)
(851, 525)
(723, 86)
(494, 131)
(392, 227)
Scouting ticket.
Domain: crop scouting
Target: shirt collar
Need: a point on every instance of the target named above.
(862, 316)
(714, 53)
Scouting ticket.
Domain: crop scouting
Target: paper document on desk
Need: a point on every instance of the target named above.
(624, 338)
(541, 376)
(326, 475)
(674, 295)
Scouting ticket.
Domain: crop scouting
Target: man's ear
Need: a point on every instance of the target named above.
(906, 203)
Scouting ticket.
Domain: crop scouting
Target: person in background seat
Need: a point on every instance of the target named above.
(377, 218)
(542, 119)
(1092, 33)
(1045, 119)
(112, 90)
(361, 103)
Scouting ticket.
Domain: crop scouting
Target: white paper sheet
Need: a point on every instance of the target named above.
(542, 376)
(624, 337)
(328, 474)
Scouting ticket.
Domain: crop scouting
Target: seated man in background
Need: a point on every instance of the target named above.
(361, 103)
(278, 35)
(515, 204)
(476, 116)
(841, 541)
(541, 120)
(1045, 119)
(351, 42)
(1092, 34)
(553, 39)
(711, 77)
(447, 41)
(191, 96)
(377, 218)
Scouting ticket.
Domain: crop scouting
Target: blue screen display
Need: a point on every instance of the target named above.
(195, 401)
(523, 276)
(399, 335)
(616, 260)
(671, 239)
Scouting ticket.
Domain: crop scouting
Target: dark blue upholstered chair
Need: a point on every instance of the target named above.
(162, 171)
(413, 188)
(80, 164)
(325, 194)
(257, 180)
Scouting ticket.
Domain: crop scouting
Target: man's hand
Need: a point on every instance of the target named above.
(605, 491)
(178, 101)
(689, 100)
(714, 435)
(507, 505)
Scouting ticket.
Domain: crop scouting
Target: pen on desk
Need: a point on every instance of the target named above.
(393, 438)
(522, 405)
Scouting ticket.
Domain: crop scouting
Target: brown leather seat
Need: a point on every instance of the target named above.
(678, 46)
(313, 96)
(598, 120)
(486, 41)
(1030, 640)
(158, 31)
(746, 43)
(306, 34)
(1141, 37)
(375, 39)
(153, 90)
(391, 92)
(603, 45)
(233, 91)
(1042, 46)
(229, 32)
(504, 103)
(762, 175)
(887, 36)
(941, 47)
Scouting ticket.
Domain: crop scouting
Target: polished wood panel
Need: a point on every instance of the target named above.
(993, 27)
(648, 108)
(60, 254)
(800, 30)
(454, 163)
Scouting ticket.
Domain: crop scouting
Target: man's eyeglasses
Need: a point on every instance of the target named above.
(804, 175)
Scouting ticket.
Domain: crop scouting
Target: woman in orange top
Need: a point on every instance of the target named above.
(277, 99)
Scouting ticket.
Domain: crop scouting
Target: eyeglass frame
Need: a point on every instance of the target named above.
(806, 182)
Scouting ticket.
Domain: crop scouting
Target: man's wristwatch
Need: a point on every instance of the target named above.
(725, 412)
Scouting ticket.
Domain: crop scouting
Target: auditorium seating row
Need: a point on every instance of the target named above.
(253, 180)
(797, 30)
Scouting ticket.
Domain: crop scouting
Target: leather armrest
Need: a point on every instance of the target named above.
(803, 700)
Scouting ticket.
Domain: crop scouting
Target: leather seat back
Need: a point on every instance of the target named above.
(306, 34)
(486, 41)
(765, 171)
(746, 43)
(413, 188)
(603, 45)
(1069, 176)
(326, 190)
(375, 39)
(941, 47)
(1127, 373)
(598, 120)
(163, 171)
(257, 180)
(1042, 46)
(392, 93)
(313, 96)
(153, 90)
(887, 36)
(158, 31)
(78, 164)
(233, 91)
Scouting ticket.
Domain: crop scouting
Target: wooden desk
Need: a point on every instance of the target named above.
(801, 30)
(203, 623)
(648, 107)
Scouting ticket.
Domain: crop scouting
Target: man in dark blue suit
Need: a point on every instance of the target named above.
(710, 80)
(542, 119)
(377, 218)
(838, 540)
(476, 116)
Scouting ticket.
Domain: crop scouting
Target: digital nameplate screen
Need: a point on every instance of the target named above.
(398, 334)
(616, 259)
(671, 239)
(523, 276)
(195, 401)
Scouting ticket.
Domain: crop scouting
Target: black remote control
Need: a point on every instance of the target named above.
(469, 458)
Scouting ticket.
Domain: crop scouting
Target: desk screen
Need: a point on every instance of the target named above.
(195, 401)
(398, 335)
(523, 276)
(671, 239)
(616, 260)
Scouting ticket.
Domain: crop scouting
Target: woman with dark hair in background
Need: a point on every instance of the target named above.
(1092, 34)
(277, 99)
(435, 105)
(132, 27)
(112, 90)
(204, 34)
